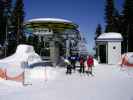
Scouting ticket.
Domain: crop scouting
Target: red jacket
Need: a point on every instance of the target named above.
(90, 61)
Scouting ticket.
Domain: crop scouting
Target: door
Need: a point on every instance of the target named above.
(102, 53)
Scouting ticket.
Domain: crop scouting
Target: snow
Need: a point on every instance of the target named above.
(23, 53)
(43, 73)
(9, 83)
(127, 59)
(130, 57)
(95, 62)
(110, 36)
(50, 20)
(13, 63)
(109, 82)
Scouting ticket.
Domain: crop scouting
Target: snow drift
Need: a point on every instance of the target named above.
(11, 68)
(127, 59)
(12, 65)
(23, 53)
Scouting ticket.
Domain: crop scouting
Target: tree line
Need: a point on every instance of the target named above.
(11, 25)
(119, 21)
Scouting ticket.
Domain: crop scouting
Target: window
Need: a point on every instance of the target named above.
(114, 47)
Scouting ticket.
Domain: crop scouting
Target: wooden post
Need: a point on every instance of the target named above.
(5, 74)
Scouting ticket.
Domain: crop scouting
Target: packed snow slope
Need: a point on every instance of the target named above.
(109, 82)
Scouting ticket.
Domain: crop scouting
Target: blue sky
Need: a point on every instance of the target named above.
(86, 13)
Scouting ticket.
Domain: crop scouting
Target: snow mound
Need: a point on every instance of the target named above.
(23, 53)
(130, 57)
(127, 59)
(13, 64)
(15, 71)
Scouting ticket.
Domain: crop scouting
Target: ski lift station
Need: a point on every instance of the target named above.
(108, 48)
(57, 37)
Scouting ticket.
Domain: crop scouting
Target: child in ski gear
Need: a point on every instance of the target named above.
(73, 61)
(90, 63)
(68, 64)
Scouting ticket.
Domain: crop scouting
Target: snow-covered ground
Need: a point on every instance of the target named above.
(109, 82)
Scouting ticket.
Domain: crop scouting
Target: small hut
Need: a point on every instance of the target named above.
(108, 47)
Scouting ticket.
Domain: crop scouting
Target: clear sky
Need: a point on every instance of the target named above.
(86, 13)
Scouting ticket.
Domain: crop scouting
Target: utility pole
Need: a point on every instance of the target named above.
(6, 38)
(128, 27)
(18, 28)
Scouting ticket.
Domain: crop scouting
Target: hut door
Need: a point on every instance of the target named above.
(102, 53)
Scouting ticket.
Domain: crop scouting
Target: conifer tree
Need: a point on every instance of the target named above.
(98, 31)
(18, 20)
(109, 16)
(128, 24)
(7, 15)
(1, 22)
(117, 21)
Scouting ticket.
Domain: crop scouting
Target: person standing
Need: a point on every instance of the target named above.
(73, 61)
(90, 63)
(81, 60)
(68, 66)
